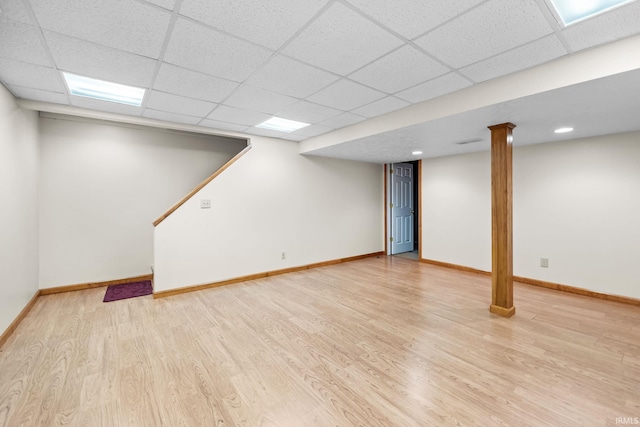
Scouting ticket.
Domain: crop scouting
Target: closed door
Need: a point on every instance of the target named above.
(402, 208)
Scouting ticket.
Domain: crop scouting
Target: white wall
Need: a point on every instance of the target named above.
(272, 200)
(19, 208)
(575, 202)
(102, 185)
(456, 210)
(578, 204)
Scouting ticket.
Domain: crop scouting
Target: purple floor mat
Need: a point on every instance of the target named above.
(128, 290)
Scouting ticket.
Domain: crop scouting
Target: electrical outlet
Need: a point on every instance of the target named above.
(205, 204)
(284, 255)
(544, 262)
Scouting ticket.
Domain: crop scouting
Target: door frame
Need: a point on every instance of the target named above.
(417, 222)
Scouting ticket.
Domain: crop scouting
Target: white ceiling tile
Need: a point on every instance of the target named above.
(21, 42)
(311, 131)
(346, 95)
(39, 95)
(307, 112)
(607, 104)
(341, 40)
(168, 102)
(288, 76)
(616, 24)
(109, 107)
(382, 106)
(211, 52)
(437, 87)
(256, 99)
(167, 4)
(15, 11)
(215, 124)
(99, 62)
(189, 83)
(29, 75)
(344, 119)
(170, 117)
(399, 70)
(127, 25)
(267, 23)
(238, 116)
(411, 18)
(532, 54)
(491, 38)
(490, 29)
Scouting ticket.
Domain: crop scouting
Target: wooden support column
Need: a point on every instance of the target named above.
(501, 221)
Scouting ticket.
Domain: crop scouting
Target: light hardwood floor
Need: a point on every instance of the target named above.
(377, 342)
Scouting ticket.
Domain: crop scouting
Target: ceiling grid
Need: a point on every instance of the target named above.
(230, 65)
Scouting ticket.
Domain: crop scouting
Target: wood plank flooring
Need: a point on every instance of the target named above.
(376, 342)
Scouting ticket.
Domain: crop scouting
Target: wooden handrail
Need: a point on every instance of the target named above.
(202, 184)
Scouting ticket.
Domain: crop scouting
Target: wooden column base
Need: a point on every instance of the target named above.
(501, 311)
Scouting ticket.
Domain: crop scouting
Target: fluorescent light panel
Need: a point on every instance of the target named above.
(572, 11)
(103, 90)
(282, 125)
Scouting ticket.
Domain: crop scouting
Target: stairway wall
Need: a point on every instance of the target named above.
(102, 184)
(272, 200)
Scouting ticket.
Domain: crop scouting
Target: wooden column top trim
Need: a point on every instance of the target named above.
(502, 125)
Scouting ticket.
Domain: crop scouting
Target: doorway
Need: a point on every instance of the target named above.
(402, 209)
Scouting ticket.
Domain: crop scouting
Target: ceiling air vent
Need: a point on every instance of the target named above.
(469, 141)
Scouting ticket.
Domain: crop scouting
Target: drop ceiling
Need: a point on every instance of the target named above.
(597, 107)
(230, 65)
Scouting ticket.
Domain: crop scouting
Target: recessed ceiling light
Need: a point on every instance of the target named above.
(572, 11)
(416, 153)
(103, 90)
(563, 130)
(282, 125)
